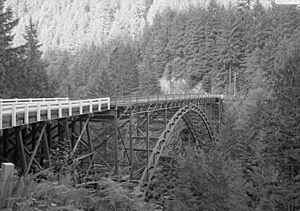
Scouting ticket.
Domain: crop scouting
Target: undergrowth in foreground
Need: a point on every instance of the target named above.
(26, 194)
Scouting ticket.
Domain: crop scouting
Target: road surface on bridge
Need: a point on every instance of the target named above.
(16, 112)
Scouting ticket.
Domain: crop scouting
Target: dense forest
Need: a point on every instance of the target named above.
(88, 48)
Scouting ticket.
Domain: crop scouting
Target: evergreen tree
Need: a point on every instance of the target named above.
(35, 67)
(11, 74)
(286, 117)
(123, 69)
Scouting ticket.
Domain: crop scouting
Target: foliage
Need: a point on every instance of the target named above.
(209, 182)
(27, 194)
(35, 67)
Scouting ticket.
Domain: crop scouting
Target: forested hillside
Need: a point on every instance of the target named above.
(103, 48)
(168, 40)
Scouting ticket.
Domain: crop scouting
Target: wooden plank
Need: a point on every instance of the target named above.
(21, 150)
(46, 149)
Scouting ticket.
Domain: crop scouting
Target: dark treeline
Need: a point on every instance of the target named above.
(256, 163)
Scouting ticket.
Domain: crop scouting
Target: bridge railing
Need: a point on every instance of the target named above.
(27, 100)
(15, 112)
(135, 99)
(11, 113)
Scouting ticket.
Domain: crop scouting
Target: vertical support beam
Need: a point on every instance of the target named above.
(211, 112)
(116, 142)
(48, 130)
(60, 130)
(21, 150)
(219, 115)
(67, 134)
(73, 132)
(33, 133)
(46, 149)
(147, 146)
(5, 140)
(166, 117)
(80, 129)
(89, 137)
(229, 88)
(1, 118)
(130, 145)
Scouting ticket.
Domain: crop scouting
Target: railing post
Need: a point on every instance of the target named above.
(91, 106)
(14, 116)
(80, 107)
(59, 110)
(49, 111)
(1, 118)
(26, 114)
(70, 108)
(99, 104)
(38, 112)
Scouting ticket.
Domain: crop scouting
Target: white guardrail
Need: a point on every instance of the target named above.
(10, 108)
(16, 100)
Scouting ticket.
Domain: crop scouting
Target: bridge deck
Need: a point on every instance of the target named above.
(16, 112)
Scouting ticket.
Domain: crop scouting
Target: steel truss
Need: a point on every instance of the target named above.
(142, 131)
(125, 142)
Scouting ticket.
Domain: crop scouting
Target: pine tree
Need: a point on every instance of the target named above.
(100, 86)
(36, 75)
(11, 75)
(286, 117)
(123, 69)
(148, 77)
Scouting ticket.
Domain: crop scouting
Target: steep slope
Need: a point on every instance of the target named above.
(69, 24)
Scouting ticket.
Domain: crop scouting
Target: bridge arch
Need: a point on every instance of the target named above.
(165, 137)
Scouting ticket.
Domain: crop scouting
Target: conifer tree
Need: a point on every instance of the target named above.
(36, 75)
(286, 116)
(11, 75)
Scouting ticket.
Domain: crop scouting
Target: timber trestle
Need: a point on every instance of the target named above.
(124, 137)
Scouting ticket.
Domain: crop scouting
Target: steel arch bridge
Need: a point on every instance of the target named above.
(124, 137)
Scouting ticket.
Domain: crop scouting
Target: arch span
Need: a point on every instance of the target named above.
(164, 139)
